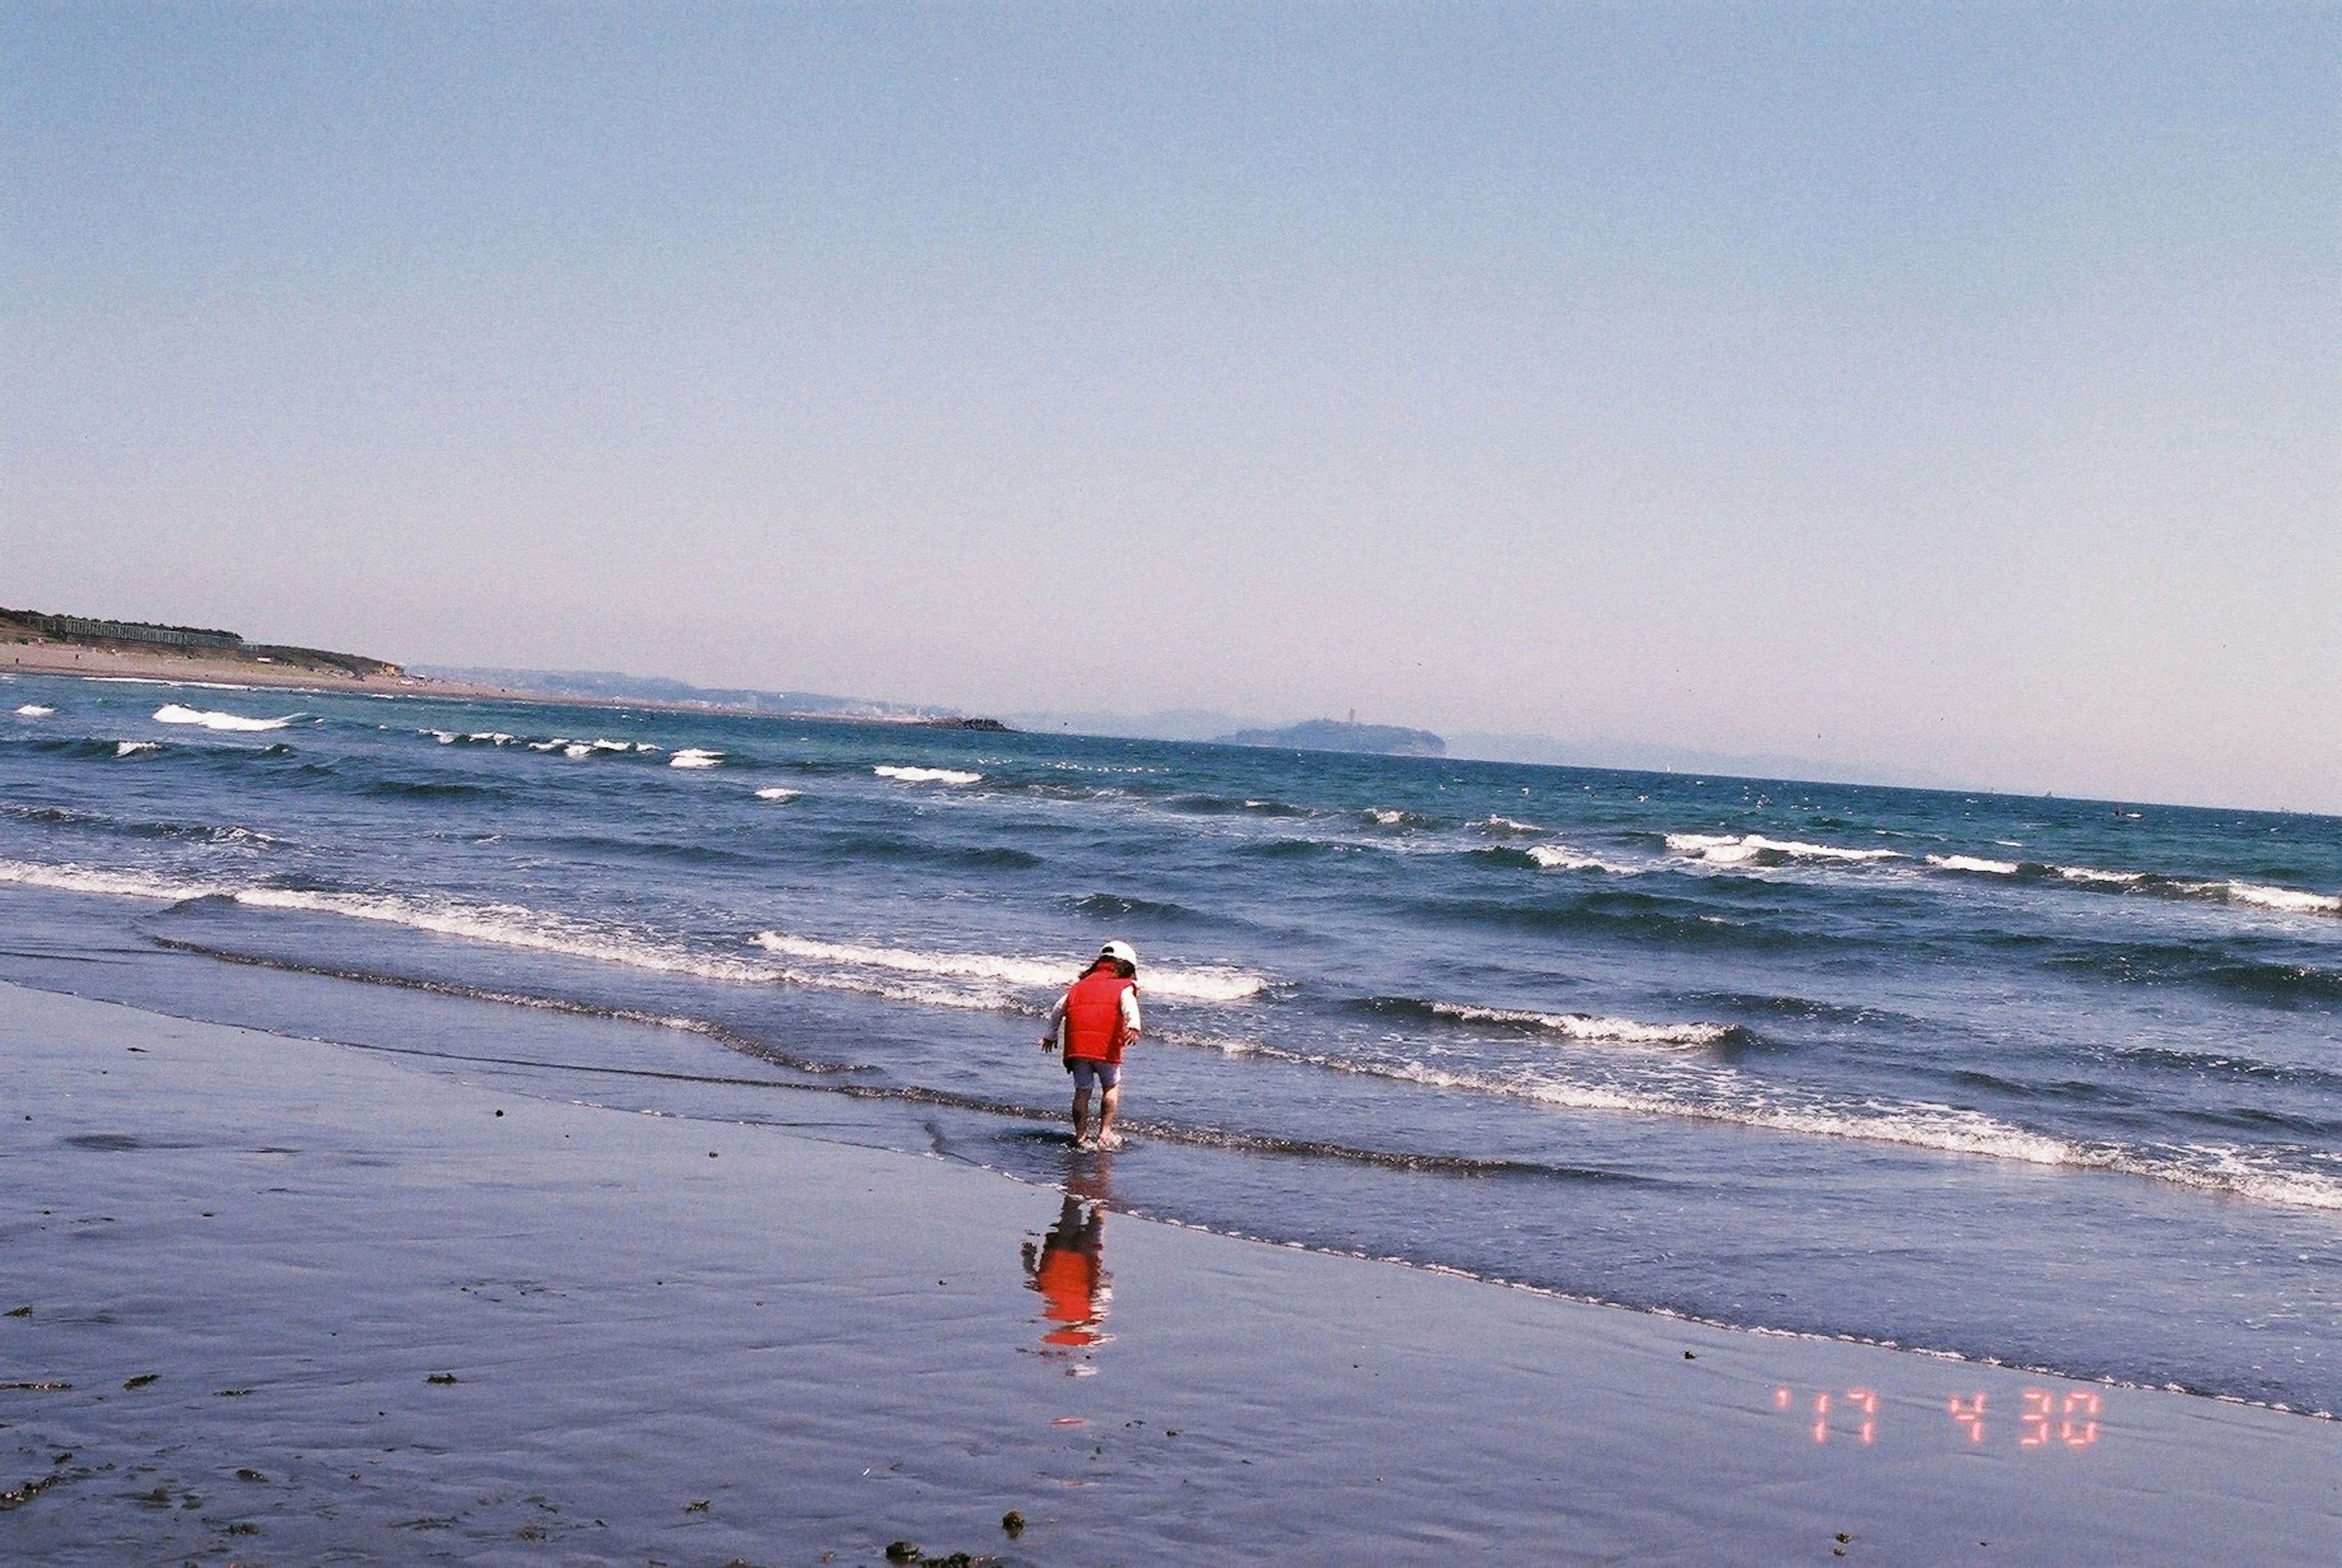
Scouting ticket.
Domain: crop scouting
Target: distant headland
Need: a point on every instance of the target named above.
(1337, 735)
(34, 640)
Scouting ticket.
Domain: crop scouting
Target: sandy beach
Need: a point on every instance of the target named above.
(279, 1299)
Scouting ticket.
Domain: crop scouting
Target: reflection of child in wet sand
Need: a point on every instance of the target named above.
(1068, 1268)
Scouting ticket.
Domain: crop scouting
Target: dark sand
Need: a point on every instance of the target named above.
(803, 1348)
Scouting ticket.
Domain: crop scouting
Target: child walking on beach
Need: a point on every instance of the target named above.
(1095, 1021)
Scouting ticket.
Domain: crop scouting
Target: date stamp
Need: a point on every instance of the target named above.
(2045, 1418)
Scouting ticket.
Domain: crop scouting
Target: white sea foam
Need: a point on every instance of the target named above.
(1972, 863)
(1200, 983)
(2288, 900)
(2258, 896)
(552, 745)
(136, 748)
(1504, 826)
(508, 925)
(2084, 874)
(1723, 1095)
(1589, 1028)
(70, 878)
(777, 793)
(1724, 849)
(175, 713)
(926, 776)
(693, 757)
(576, 749)
(1561, 857)
(34, 711)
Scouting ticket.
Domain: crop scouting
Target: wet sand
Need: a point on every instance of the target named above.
(278, 1300)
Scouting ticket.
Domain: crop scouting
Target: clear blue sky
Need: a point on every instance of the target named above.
(1946, 387)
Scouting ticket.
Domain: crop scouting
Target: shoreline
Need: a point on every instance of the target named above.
(712, 1339)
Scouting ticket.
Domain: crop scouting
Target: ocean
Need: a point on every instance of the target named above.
(2045, 1083)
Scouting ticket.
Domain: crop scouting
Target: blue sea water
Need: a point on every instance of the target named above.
(2046, 1082)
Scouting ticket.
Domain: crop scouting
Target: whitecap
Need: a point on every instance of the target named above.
(1200, 983)
(693, 757)
(1561, 857)
(1972, 863)
(1589, 1028)
(70, 878)
(175, 714)
(2287, 900)
(136, 748)
(777, 794)
(926, 776)
(1725, 850)
(34, 711)
(2084, 874)
(1502, 827)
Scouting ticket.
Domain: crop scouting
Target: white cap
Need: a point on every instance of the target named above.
(1120, 951)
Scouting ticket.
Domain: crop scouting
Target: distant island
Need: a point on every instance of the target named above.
(1336, 735)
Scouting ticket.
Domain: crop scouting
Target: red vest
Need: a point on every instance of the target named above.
(1093, 1016)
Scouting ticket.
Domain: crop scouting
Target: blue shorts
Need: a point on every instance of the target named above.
(1086, 1069)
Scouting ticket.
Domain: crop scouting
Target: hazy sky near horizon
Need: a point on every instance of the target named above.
(1943, 387)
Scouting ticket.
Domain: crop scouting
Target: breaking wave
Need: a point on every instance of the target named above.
(175, 713)
(1581, 1026)
(695, 757)
(1200, 983)
(901, 775)
(1754, 849)
(34, 711)
(1562, 857)
(1727, 1098)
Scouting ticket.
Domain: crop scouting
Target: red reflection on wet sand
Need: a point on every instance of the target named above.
(1068, 1270)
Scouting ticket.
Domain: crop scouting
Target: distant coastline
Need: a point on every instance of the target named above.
(33, 642)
